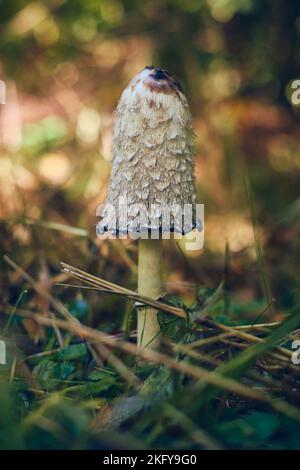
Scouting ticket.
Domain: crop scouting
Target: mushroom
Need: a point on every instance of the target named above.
(152, 186)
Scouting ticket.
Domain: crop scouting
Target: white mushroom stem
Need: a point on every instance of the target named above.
(149, 284)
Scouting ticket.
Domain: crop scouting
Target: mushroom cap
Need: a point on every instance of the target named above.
(152, 181)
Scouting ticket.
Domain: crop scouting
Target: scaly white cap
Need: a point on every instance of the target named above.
(152, 183)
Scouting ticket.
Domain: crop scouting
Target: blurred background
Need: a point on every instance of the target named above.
(65, 63)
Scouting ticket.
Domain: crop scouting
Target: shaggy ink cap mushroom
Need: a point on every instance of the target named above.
(152, 182)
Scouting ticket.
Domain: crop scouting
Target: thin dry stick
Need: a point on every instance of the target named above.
(256, 326)
(214, 362)
(195, 354)
(116, 289)
(210, 340)
(153, 356)
(242, 334)
(282, 360)
(75, 286)
(149, 355)
(54, 302)
(109, 286)
(57, 333)
(231, 332)
(90, 279)
(117, 364)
